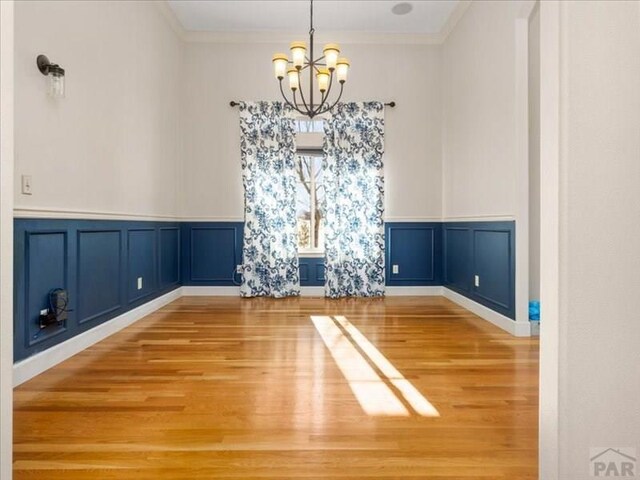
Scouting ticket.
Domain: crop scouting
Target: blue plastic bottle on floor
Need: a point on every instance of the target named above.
(534, 310)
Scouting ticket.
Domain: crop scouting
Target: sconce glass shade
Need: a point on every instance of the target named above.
(280, 62)
(56, 76)
(298, 52)
(323, 79)
(56, 82)
(342, 70)
(331, 52)
(294, 79)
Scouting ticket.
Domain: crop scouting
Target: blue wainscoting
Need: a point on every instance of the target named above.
(485, 249)
(416, 249)
(211, 251)
(311, 271)
(98, 262)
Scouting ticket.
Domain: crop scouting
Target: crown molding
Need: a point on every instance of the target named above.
(349, 38)
(353, 38)
(454, 18)
(171, 18)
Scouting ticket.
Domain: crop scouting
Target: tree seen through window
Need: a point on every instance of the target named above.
(310, 188)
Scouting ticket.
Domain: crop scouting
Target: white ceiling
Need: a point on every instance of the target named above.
(427, 17)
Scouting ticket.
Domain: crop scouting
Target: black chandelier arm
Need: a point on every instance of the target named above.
(283, 95)
(337, 99)
(317, 63)
(304, 101)
(295, 107)
(318, 109)
(325, 96)
(295, 101)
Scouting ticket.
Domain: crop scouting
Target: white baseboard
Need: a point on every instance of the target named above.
(517, 329)
(413, 291)
(307, 291)
(30, 367)
(235, 291)
(312, 291)
(210, 291)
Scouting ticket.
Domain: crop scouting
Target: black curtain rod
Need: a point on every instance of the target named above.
(235, 104)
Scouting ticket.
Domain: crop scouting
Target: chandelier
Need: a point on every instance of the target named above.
(323, 69)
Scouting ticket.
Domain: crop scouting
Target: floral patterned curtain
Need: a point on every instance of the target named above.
(354, 196)
(270, 251)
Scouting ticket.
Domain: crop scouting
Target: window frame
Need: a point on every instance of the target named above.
(312, 252)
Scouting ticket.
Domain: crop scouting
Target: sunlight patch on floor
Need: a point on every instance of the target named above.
(374, 396)
(372, 392)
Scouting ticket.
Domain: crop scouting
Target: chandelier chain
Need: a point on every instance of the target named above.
(311, 29)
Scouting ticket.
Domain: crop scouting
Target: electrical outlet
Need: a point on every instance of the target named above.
(26, 185)
(476, 280)
(139, 283)
(239, 269)
(396, 269)
(44, 311)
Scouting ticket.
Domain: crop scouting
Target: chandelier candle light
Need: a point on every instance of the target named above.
(323, 69)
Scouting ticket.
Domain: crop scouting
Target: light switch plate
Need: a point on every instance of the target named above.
(26, 185)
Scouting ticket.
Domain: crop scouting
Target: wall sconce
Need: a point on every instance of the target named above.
(56, 76)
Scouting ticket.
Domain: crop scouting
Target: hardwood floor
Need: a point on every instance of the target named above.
(235, 388)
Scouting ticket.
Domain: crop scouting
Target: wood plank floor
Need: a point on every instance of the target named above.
(235, 388)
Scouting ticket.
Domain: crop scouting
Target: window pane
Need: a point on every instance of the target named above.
(317, 168)
(319, 217)
(320, 235)
(303, 167)
(303, 209)
(310, 216)
(302, 126)
(309, 126)
(320, 197)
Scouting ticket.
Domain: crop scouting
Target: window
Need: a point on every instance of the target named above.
(310, 198)
(310, 188)
(304, 125)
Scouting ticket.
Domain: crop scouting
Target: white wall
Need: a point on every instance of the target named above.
(485, 125)
(534, 155)
(591, 165)
(112, 145)
(217, 73)
(479, 123)
(139, 135)
(6, 238)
